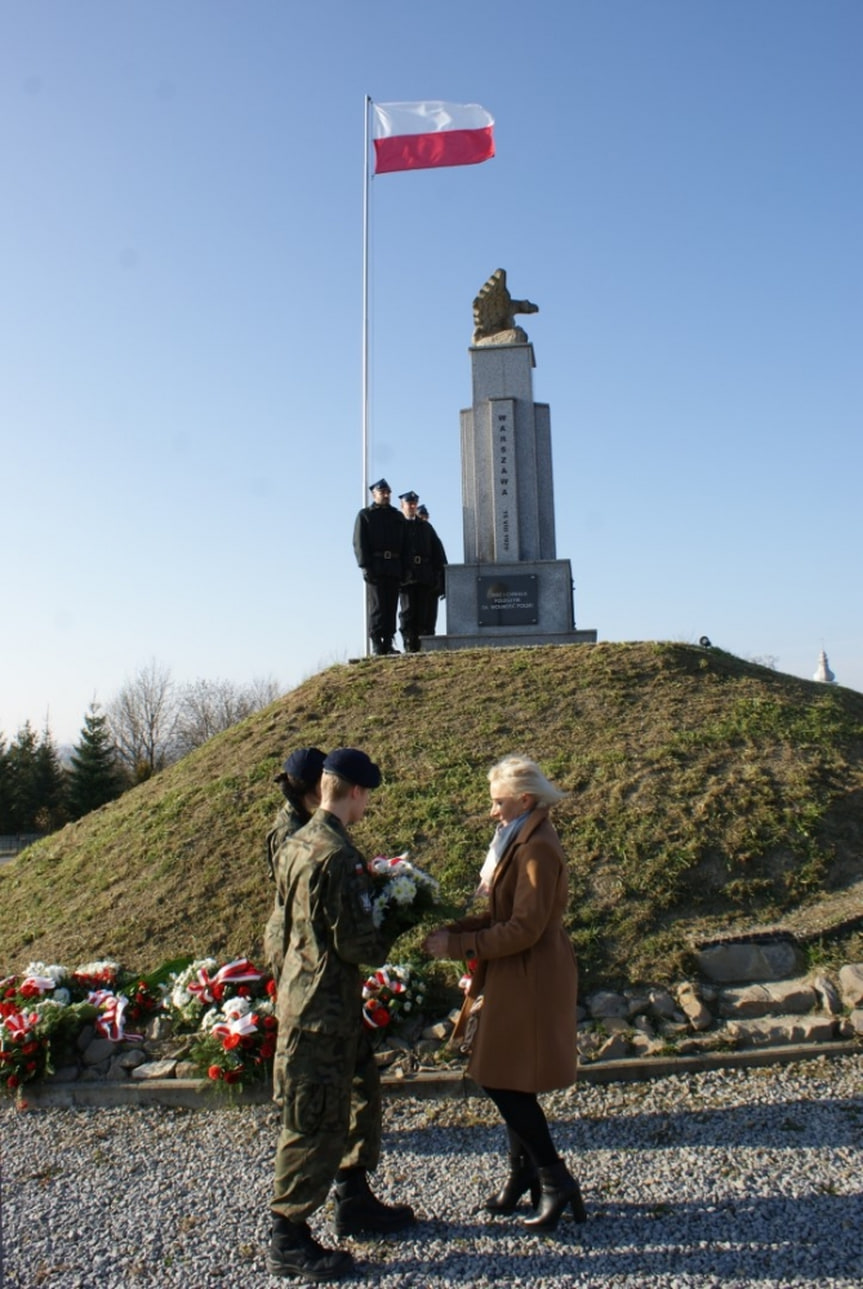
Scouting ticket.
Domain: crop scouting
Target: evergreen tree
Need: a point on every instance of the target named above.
(36, 786)
(5, 790)
(95, 776)
(50, 786)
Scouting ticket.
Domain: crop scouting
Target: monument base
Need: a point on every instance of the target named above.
(518, 603)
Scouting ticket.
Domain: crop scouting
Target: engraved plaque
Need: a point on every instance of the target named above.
(508, 601)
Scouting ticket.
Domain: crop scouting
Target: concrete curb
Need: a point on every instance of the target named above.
(201, 1094)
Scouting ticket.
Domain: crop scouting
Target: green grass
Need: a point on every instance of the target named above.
(705, 794)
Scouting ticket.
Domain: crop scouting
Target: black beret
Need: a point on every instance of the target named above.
(352, 764)
(305, 764)
(408, 496)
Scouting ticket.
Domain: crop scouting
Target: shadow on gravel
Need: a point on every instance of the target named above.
(805, 1123)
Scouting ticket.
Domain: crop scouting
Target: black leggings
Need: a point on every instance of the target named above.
(526, 1125)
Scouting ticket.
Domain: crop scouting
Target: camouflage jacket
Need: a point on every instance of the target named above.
(286, 823)
(329, 929)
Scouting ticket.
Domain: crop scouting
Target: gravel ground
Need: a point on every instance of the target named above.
(723, 1178)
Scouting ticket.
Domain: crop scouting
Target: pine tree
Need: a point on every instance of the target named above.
(95, 776)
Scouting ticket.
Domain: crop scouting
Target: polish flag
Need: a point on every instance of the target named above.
(419, 136)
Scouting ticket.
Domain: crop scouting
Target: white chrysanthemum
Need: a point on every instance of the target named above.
(236, 1007)
(402, 890)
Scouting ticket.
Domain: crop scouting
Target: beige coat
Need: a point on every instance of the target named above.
(527, 970)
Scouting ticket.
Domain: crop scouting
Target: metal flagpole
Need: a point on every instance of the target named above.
(364, 499)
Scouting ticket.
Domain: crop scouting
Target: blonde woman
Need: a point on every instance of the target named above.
(527, 977)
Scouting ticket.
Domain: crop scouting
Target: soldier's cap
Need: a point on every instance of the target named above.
(353, 765)
(423, 511)
(380, 486)
(408, 496)
(305, 764)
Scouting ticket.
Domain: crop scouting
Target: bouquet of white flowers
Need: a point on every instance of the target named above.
(403, 894)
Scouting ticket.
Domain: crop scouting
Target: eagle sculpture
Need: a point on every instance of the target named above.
(494, 313)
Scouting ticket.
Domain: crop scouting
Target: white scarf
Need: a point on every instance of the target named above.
(503, 835)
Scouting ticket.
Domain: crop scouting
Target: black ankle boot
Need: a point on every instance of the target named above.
(358, 1210)
(557, 1190)
(522, 1177)
(295, 1252)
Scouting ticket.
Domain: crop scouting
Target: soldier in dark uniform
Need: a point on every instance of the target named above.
(300, 782)
(379, 546)
(439, 562)
(331, 1111)
(418, 592)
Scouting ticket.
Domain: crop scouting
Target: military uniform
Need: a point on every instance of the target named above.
(287, 822)
(419, 588)
(326, 1074)
(379, 535)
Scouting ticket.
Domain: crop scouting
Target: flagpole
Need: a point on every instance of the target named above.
(365, 416)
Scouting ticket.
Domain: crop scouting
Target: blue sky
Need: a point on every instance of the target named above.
(677, 185)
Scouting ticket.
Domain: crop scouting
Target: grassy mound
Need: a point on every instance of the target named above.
(706, 794)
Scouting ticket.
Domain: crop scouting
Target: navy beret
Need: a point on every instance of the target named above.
(408, 496)
(306, 764)
(423, 511)
(352, 764)
(381, 484)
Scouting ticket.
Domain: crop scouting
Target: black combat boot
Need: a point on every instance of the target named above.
(358, 1210)
(522, 1177)
(295, 1252)
(557, 1191)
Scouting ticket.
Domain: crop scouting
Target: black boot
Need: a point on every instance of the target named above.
(358, 1210)
(557, 1190)
(295, 1252)
(522, 1177)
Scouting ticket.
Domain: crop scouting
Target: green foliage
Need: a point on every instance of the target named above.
(704, 793)
(95, 776)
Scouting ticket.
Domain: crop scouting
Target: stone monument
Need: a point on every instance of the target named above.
(511, 589)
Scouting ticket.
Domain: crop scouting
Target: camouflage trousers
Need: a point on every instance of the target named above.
(330, 1092)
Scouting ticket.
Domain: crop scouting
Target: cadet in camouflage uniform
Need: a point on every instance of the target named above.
(331, 1111)
(300, 781)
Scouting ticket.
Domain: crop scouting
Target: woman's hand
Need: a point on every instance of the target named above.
(435, 944)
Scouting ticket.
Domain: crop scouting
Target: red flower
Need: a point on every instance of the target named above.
(269, 1022)
(268, 1049)
(243, 991)
(214, 1072)
(231, 1041)
(29, 1048)
(271, 987)
(12, 1081)
(233, 1076)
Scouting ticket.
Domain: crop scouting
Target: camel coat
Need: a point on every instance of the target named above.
(527, 971)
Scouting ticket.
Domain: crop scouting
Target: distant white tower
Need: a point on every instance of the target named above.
(824, 673)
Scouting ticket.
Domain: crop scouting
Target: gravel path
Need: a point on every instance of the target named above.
(723, 1178)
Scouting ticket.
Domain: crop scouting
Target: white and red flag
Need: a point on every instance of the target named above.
(420, 136)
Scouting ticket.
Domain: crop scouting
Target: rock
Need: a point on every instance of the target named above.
(699, 1016)
(159, 1027)
(86, 1036)
(742, 960)
(643, 1026)
(98, 1050)
(852, 1026)
(639, 1001)
(615, 1048)
(131, 1058)
(644, 1045)
(187, 1070)
(778, 1030)
(603, 1004)
(663, 1006)
(828, 995)
(155, 1070)
(616, 1025)
(851, 984)
(781, 998)
(428, 1046)
(440, 1031)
